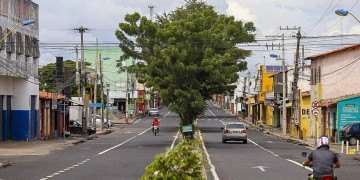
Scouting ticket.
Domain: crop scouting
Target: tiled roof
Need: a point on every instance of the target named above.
(48, 95)
(314, 57)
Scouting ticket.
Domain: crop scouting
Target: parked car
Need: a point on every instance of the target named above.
(76, 128)
(154, 111)
(351, 133)
(97, 118)
(234, 131)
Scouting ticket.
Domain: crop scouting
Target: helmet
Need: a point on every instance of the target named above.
(155, 117)
(323, 141)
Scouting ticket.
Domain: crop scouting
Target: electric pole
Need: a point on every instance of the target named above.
(248, 77)
(102, 93)
(82, 30)
(295, 96)
(96, 79)
(284, 83)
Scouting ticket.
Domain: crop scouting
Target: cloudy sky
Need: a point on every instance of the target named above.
(316, 18)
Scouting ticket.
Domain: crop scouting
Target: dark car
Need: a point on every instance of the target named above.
(351, 133)
(76, 128)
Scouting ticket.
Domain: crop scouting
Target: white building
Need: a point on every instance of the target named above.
(19, 58)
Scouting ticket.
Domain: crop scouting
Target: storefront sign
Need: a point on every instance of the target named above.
(348, 112)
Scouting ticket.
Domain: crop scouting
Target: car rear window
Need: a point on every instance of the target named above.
(235, 126)
(153, 109)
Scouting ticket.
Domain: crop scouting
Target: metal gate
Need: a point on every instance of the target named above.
(8, 117)
(1, 118)
(33, 117)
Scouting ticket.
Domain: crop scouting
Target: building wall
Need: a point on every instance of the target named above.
(344, 81)
(305, 123)
(19, 67)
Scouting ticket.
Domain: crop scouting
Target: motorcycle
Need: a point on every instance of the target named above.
(155, 129)
(325, 177)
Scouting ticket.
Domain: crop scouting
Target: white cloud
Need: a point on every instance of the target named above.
(47, 58)
(239, 12)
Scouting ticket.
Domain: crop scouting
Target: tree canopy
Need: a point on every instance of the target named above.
(190, 54)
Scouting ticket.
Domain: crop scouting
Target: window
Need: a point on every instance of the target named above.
(28, 48)
(35, 47)
(10, 45)
(2, 45)
(19, 44)
(229, 126)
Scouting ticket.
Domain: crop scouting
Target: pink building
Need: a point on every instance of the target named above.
(335, 76)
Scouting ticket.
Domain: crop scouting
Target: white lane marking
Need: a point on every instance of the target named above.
(137, 121)
(44, 179)
(211, 112)
(173, 143)
(49, 176)
(269, 142)
(262, 168)
(208, 158)
(107, 150)
(299, 164)
(66, 169)
(167, 113)
(75, 165)
(263, 148)
(61, 171)
(56, 173)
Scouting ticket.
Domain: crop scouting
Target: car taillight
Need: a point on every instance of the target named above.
(243, 131)
(226, 131)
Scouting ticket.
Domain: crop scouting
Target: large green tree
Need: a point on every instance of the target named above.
(190, 54)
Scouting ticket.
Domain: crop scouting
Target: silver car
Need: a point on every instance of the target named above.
(154, 111)
(235, 131)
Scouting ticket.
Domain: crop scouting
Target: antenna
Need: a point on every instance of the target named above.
(151, 7)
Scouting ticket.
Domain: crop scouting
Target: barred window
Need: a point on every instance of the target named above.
(2, 44)
(10, 45)
(35, 46)
(28, 46)
(19, 44)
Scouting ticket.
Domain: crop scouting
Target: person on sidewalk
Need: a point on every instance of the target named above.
(324, 161)
(155, 122)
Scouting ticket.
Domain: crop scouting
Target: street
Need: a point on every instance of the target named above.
(125, 153)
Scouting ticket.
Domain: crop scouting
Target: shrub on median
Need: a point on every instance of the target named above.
(181, 162)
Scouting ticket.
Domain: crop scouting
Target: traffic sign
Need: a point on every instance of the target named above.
(272, 103)
(296, 122)
(315, 104)
(249, 105)
(272, 108)
(315, 112)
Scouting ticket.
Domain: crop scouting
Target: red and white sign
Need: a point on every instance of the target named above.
(272, 103)
(249, 105)
(315, 112)
(315, 104)
(272, 109)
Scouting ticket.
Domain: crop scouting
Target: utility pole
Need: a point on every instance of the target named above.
(248, 77)
(96, 79)
(82, 30)
(244, 95)
(127, 96)
(284, 83)
(295, 97)
(78, 78)
(102, 93)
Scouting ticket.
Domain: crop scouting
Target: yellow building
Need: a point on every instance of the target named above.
(305, 114)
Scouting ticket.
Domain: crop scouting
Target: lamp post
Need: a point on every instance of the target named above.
(23, 23)
(283, 124)
(345, 13)
(102, 91)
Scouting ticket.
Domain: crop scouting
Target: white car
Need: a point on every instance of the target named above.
(234, 131)
(154, 111)
(98, 121)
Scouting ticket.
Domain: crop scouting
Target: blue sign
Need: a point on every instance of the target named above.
(186, 128)
(95, 105)
(348, 112)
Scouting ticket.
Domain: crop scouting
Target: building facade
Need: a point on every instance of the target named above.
(19, 58)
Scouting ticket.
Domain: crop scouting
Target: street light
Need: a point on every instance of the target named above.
(107, 104)
(283, 124)
(24, 23)
(345, 13)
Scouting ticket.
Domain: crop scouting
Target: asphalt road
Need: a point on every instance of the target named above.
(123, 154)
(263, 157)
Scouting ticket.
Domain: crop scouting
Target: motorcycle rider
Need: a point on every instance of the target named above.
(323, 160)
(155, 122)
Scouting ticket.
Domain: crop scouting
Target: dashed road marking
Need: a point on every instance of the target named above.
(66, 169)
(211, 112)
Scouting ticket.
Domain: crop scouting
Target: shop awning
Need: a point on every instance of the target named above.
(288, 105)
